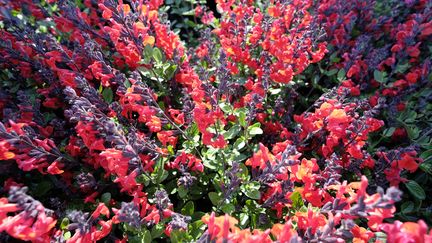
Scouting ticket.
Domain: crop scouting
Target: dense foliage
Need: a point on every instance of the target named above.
(256, 121)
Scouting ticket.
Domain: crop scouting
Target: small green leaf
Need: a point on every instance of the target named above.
(416, 190)
(226, 107)
(214, 197)
(127, 83)
(106, 197)
(274, 91)
(341, 74)
(107, 94)
(146, 235)
(182, 192)
(197, 228)
(232, 132)
(157, 231)
(407, 207)
(297, 201)
(253, 194)
(331, 72)
(251, 190)
(426, 167)
(239, 143)
(169, 71)
(389, 131)
(379, 76)
(64, 223)
(228, 208)
(426, 155)
(242, 118)
(402, 68)
(157, 54)
(188, 208)
(244, 219)
(412, 131)
(67, 235)
(255, 130)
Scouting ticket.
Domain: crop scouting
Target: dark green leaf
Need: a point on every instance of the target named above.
(214, 198)
(157, 231)
(407, 207)
(331, 72)
(188, 208)
(106, 197)
(416, 190)
(107, 94)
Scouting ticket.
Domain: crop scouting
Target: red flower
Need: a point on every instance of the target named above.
(399, 232)
(5, 152)
(23, 225)
(167, 137)
(113, 161)
(408, 162)
(187, 161)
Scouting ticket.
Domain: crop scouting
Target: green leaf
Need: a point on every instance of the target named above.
(157, 54)
(214, 198)
(331, 72)
(407, 207)
(228, 208)
(226, 107)
(426, 155)
(416, 190)
(127, 83)
(157, 230)
(253, 194)
(64, 223)
(178, 236)
(188, 208)
(242, 118)
(382, 237)
(297, 201)
(251, 190)
(67, 235)
(147, 54)
(244, 219)
(197, 228)
(239, 143)
(413, 131)
(426, 167)
(182, 192)
(169, 71)
(146, 235)
(379, 76)
(341, 74)
(402, 68)
(192, 130)
(255, 130)
(274, 91)
(107, 94)
(232, 132)
(106, 198)
(143, 179)
(389, 131)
